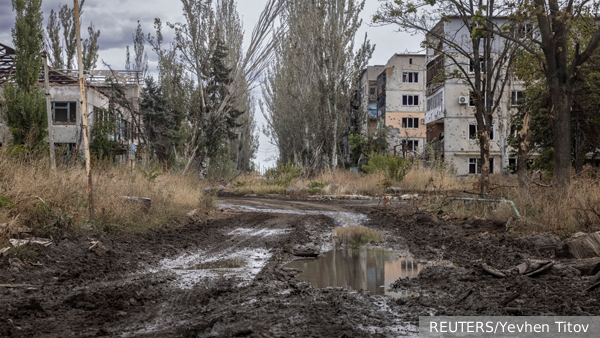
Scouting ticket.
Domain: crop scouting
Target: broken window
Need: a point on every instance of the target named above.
(472, 66)
(524, 31)
(410, 122)
(410, 77)
(473, 135)
(65, 112)
(410, 100)
(512, 164)
(516, 97)
(473, 99)
(473, 165)
(413, 145)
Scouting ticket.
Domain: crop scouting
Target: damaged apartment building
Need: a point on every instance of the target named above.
(393, 95)
(67, 122)
(450, 120)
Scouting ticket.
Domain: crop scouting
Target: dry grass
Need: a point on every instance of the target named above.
(344, 182)
(542, 210)
(55, 202)
(355, 236)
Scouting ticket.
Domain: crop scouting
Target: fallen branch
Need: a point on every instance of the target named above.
(542, 185)
(540, 270)
(30, 197)
(18, 285)
(492, 271)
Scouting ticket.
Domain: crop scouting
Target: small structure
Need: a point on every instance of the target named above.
(66, 110)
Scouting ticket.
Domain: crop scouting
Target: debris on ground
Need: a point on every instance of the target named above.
(147, 202)
(4, 251)
(97, 247)
(32, 240)
(580, 246)
(529, 268)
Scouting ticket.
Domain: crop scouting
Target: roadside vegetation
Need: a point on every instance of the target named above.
(433, 185)
(54, 203)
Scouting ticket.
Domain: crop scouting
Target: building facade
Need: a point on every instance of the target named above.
(450, 113)
(367, 96)
(401, 100)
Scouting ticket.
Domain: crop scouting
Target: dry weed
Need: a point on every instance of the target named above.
(53, 202)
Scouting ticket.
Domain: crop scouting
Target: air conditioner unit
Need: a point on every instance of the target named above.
(422, 121)
(463, 99)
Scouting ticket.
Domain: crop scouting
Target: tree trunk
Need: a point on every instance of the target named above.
(522, 151)
(560, 95)
(578, 143)
(484, 179)
(204, 163)
(192, 157)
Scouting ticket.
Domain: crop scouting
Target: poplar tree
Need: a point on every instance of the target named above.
(25, 104)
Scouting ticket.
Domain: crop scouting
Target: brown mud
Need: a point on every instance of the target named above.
(224, 276)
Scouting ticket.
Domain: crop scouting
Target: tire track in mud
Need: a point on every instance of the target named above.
(147, 302)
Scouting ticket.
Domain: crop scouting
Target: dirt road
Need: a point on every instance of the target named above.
(224, 275)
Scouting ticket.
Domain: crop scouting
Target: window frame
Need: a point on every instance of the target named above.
(471, 99)
(69, 104)
(405, 100)
(514, 99)
(408, 77)
(406, 125)
(472, 65)
(492, 136)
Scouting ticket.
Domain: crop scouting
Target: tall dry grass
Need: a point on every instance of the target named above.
(345, 182)
(54, 202)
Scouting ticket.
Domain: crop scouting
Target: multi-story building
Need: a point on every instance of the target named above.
(367, 96)
(66, 107)
(401, 100)
(450, 121)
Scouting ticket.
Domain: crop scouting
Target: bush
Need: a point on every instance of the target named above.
(283, 174)
(394, 167)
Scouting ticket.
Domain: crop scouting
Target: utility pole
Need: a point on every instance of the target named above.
(88, 165)
(49, 112)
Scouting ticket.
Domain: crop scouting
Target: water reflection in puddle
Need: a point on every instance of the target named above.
(372, 270)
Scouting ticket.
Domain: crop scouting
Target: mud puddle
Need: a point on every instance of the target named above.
(365, 269)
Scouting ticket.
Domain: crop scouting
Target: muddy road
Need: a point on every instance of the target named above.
(234, 272)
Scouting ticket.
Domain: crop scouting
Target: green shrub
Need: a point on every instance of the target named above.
(283, 174)
(313, 185)
(394, 167)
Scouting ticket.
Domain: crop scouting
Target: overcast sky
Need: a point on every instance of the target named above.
(117, 20)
